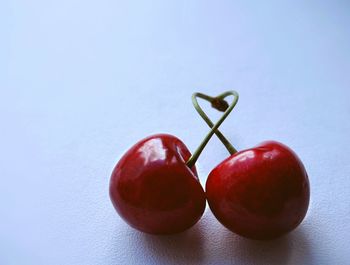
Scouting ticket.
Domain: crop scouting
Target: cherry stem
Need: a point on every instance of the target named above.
(220, 104)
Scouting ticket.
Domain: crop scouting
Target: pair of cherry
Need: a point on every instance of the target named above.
(260, 193)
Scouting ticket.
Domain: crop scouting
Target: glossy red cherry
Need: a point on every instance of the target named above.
(154, 190)
(259, 193)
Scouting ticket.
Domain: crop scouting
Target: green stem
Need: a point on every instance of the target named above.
(200, 111)
(193, 159)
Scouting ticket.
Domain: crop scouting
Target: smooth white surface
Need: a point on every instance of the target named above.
(81, 81)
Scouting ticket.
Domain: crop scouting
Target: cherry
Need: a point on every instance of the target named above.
(154, 190)
(155, 187)
(259, 193)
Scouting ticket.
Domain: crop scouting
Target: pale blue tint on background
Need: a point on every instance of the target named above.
(81, 81)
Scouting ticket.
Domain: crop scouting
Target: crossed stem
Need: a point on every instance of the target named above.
(220, 104)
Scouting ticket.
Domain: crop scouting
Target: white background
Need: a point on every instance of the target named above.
(82, 81)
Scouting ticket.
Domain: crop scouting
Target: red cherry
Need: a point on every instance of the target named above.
(154, 190)
(259, 193)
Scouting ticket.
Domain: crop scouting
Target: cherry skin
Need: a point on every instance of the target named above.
(259, 193)
(153, 189)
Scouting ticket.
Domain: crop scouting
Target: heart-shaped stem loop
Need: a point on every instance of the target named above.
(220, 104)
